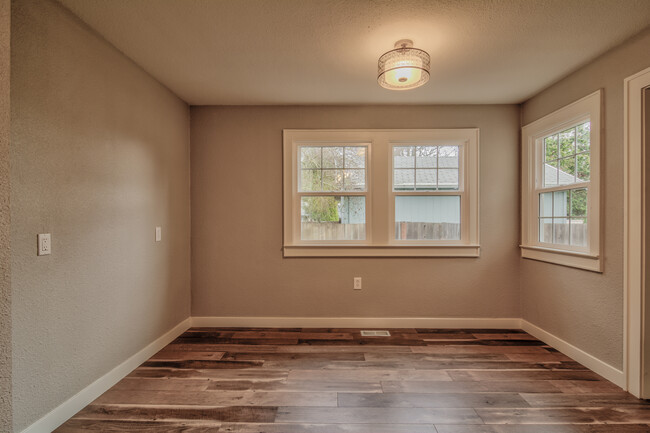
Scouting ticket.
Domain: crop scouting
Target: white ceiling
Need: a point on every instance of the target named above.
(325, 51)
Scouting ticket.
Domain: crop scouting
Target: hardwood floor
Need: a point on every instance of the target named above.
(333, 380)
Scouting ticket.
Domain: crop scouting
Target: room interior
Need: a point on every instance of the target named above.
(120, 116)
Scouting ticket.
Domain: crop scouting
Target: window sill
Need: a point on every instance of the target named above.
(571, 259)
(381, 251)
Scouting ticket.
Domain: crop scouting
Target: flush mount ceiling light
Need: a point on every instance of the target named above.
(404, 67)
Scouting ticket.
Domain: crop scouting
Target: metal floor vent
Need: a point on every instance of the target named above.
(375, 334)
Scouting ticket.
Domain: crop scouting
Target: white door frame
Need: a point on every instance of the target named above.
(634, 232)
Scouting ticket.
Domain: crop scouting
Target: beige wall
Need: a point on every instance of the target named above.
(586, 308)
(237, 263)
(100, 156)
(5, 232)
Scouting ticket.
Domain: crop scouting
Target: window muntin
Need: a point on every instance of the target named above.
(332, 171)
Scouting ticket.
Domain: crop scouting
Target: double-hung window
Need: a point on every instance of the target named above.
(561, 190)
(381, 193)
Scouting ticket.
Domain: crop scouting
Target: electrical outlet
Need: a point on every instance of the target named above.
(44, 244)
(158, 234)
(357, 283)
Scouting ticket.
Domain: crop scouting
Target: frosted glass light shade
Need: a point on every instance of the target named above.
(404, 67)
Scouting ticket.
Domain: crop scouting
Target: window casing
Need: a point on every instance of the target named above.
(413, 193)
(561, 186)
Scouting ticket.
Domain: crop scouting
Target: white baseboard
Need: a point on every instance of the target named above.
(610, 373)
(357, 322)
(67, 409)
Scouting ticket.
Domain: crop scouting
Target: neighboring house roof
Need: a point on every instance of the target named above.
(426, 176)
(551, 173)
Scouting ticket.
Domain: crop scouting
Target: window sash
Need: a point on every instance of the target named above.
(460, 192)
(540, 161)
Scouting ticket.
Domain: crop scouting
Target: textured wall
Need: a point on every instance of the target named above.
(100, 156)
(586, 308)
(237, 263)
(5, 232)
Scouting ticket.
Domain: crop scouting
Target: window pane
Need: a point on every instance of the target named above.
(448, 156)
(403, 179)
(448, 179)
(332, 157)
(355, 157)
(579, 232)
(567, 170)
(310, 180)
(426, 156)
(331, 218)
(427, 217)
(332, 180)
(550, 173)
(579, 202)
(583, 168)
(561, 202)
(546, 230)
(403, 157)
(561, 231)
(355, 180)
(310, 157)
(425, 179)
(583, 138)
(546, 204)
(550, 148)
(568, 142)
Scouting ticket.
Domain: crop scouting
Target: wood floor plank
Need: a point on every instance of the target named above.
(327, 428)
(388, 356)
(450, 400)
(545, 428)
(221, 398)
(295, 385)
(179, 355)
(369, 375)
(585, 386)
(202, 364)
(298, 357)
(478, 375)
(80, 425)
(582, 400)
(139, 384)
(254, 414)
(227, 374)
(569, 415)
(452, 348)
(422, 386)
(371, 415)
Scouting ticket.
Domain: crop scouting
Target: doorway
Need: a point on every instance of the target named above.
(637, 234)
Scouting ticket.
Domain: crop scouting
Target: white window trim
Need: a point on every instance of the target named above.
(380, 228)
(589, 258)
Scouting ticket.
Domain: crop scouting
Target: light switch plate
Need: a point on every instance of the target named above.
(44, 244)
(158, 234)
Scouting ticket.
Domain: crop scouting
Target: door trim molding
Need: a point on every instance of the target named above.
(634, 230)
